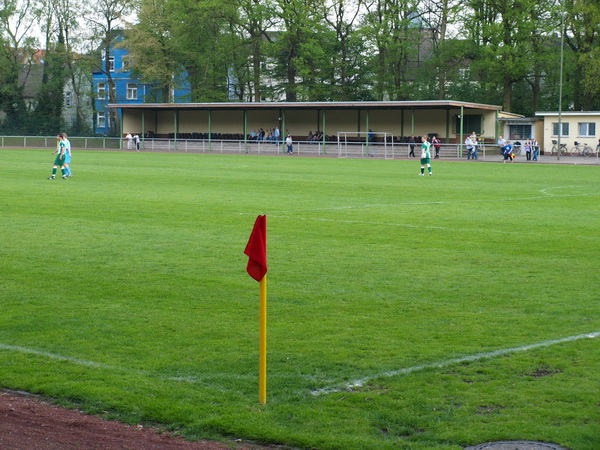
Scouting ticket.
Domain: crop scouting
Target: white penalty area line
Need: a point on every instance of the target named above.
(477, 357)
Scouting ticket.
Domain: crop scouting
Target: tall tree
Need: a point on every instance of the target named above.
(501, 34)
(62, 21)
(47, 116)
(396, 33)
(200, 28)
(152, 48)
(106, 17)
(17, 19)
(255, 20)
(440, 16)
(299, 23)
(347, 53)
(582, 34)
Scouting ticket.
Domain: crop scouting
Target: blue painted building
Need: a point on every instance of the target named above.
(128, 89)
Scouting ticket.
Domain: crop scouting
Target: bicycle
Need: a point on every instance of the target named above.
(516, 148)
(563, 148)
(582, 149)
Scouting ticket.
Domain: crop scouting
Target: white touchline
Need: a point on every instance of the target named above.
(84, 362)
(81, 362)
(323, 391)
(96, 365)
(360, 382)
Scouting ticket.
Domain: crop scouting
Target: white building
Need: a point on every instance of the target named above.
(575, 126)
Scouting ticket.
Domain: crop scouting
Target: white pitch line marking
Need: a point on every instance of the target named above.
(81, 362)
(479, 356)
(96, 365)
(450, 202)
(546, 191)
(430, 227)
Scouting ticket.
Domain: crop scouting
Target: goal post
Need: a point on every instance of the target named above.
(365, 143)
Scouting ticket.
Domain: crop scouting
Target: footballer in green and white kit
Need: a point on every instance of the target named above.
(425, 156)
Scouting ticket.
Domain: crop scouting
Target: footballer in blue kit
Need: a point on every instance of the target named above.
(68, 155)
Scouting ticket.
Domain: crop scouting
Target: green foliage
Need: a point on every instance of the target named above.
(129, 297)
(502, 36)
(488, 51)
(47, 116)
(198, 30)
(395, 36)
(583, 25)
(152, 49)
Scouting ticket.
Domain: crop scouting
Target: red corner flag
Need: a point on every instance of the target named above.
(257, 249)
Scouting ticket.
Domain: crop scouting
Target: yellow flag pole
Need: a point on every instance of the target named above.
(262, 345)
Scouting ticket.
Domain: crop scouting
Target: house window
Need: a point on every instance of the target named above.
(564, 131)
(101, 91)
(587, 129)
(126, 63)
(67, 99)
(519, 132)
(101, 119)
(132, 91)
(111, 63)
(470, 123)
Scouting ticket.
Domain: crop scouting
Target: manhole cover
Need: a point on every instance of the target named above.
(516, 445)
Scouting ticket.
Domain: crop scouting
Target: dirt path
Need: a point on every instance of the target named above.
(29, 422)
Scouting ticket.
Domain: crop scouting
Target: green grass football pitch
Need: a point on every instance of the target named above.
(404, 311)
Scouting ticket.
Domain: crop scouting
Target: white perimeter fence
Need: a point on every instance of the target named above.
(338, 148)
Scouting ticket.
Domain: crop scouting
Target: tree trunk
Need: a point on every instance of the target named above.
(507, 96)
(442, 41)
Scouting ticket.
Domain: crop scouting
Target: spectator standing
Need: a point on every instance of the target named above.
(475, 145)
(289, 144)
(129, 140)
(501, 143)
(411, 145)
(469, 146)
(536, 149)
(437, 145)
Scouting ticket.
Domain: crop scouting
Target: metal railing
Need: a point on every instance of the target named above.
(331, 148)
(108, 143)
